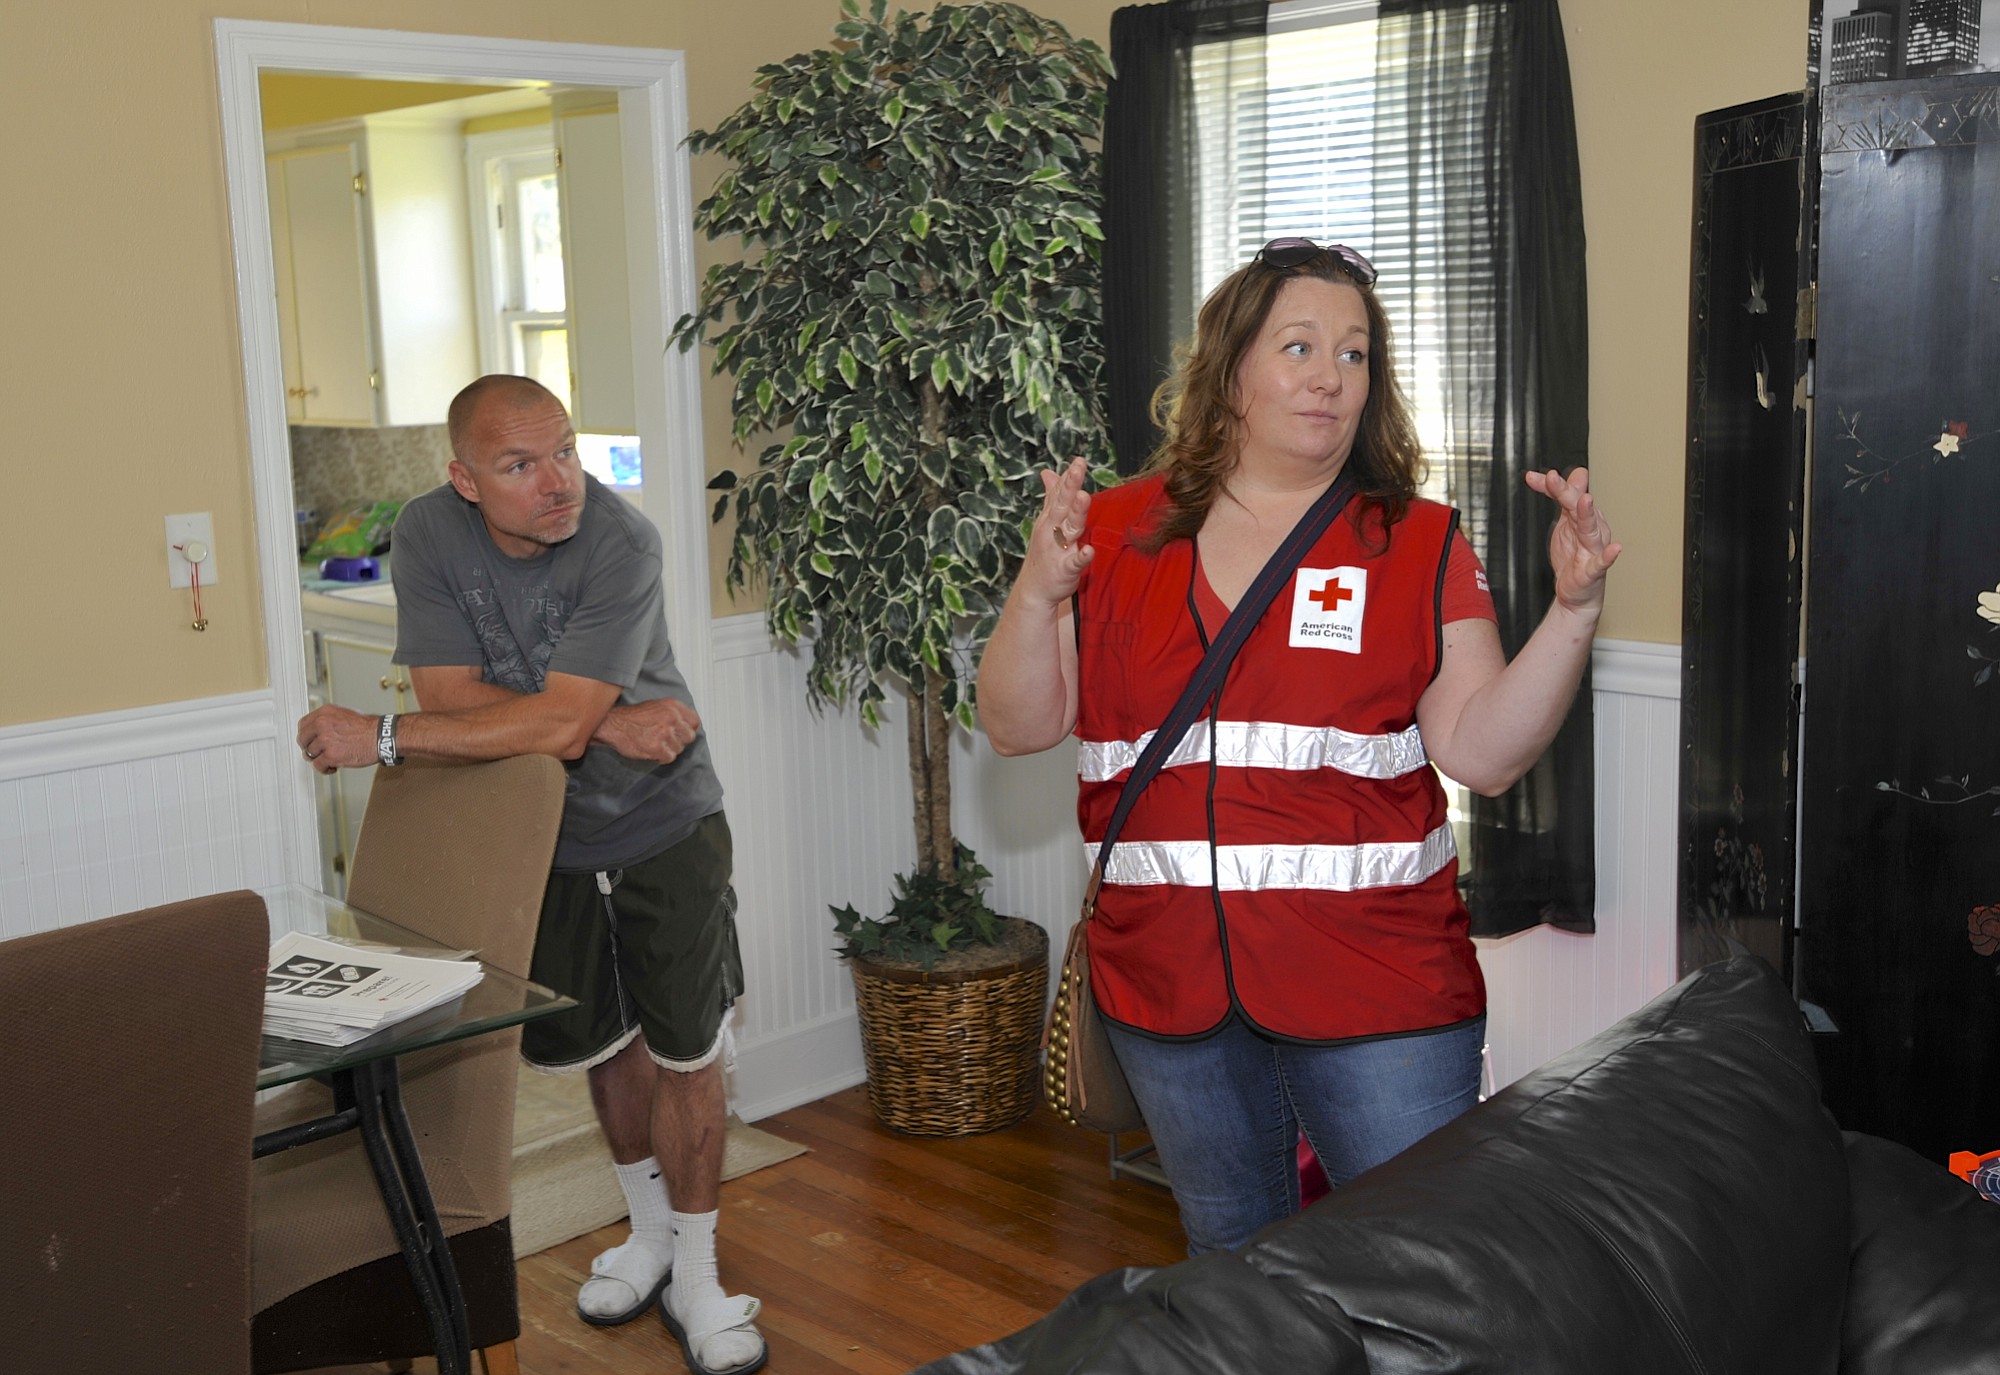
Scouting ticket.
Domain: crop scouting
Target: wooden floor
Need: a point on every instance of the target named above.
(876, 1252)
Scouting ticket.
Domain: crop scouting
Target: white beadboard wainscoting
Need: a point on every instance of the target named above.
(105, 814)
(129, 809)
(1548, 990)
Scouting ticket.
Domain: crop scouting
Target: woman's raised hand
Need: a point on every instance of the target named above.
(1580, 546)
(1057, 554)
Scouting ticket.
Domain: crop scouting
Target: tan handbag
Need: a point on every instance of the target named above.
(1085, 1083)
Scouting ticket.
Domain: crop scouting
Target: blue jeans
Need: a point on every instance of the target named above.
(1226, 1112)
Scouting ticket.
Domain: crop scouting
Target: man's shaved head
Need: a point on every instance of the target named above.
(495, 389)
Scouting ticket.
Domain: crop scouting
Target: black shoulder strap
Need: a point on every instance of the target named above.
(1214, 665)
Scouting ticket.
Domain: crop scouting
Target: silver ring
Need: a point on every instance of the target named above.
(312, 754)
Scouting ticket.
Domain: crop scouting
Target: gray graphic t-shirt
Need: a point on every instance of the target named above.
(592, 606)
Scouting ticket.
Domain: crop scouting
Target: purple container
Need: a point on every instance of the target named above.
(351, 570)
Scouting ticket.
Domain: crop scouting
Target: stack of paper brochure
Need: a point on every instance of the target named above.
(322, 991)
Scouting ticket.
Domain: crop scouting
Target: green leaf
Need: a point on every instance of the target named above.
(766, 394)
(892, 110)
(997, 255)
(940, 372)
(822, 565)
(806, 333)
(820, 482)
(996, 123)
(829, 175)
(850, 369)
(920, 223)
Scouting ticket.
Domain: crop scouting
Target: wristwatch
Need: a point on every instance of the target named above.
(385, 742)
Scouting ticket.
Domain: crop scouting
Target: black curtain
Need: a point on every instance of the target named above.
(1476, 134)
(1151, 186)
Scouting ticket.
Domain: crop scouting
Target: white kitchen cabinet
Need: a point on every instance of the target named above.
(590, 179)
(350, 667)
(323, 317)
(371, 244)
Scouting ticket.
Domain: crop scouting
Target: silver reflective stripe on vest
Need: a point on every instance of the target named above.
(1265, 745)
(1259, 868)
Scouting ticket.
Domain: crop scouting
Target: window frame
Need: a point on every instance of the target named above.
(494, 162)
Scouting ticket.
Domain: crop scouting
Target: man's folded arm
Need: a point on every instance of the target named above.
(462, 717)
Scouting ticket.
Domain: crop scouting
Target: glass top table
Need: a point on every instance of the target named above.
(498, 1000)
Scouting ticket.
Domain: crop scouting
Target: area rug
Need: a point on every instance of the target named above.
(563, 1184)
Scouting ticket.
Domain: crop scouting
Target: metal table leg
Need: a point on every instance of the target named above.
(368, 1098)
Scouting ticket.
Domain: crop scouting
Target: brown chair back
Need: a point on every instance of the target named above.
(128, 1070)
(461, 854)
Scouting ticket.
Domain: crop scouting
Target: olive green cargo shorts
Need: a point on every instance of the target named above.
(655, 956)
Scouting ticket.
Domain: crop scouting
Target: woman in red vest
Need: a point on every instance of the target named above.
(1279, 944)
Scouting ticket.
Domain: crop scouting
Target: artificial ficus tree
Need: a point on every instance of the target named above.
(918, 306)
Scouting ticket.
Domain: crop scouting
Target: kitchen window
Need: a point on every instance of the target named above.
(517, 239)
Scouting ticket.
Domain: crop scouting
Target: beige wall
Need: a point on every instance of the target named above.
(1641, 73)
(122, 366)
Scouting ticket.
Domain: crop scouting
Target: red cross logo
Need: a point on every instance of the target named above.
(1332, 595)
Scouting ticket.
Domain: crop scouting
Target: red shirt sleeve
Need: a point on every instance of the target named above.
(1467, 597)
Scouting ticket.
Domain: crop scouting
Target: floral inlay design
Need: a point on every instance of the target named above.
(1952, 792)
(1987, 609)
(1871, 466)
(1982, 928)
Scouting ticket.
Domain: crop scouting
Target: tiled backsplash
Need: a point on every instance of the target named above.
(334, 467)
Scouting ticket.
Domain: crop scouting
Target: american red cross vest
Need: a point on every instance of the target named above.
(1293, 857)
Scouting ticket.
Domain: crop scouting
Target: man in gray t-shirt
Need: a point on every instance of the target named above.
(531, 613)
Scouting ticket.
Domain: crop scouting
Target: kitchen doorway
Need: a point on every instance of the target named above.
(643, 92)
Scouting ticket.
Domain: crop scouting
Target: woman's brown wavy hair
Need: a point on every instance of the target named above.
(1195, 408)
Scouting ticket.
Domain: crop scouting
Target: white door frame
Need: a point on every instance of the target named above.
(659, 214)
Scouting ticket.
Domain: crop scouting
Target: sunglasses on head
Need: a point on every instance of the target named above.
(1288, 253)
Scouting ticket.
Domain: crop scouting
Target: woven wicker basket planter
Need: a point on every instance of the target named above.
(954, 1050)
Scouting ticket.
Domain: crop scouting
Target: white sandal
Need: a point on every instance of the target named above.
(733, 1312)
(601, 1274)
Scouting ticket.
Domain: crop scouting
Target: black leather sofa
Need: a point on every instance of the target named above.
(1670, 1197)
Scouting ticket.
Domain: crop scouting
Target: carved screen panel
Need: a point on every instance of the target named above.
(1900, 822)
(1745, 493)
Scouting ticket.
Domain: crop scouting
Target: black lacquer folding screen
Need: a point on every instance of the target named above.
(1900, 808)
(1745, 511)
(1894, 762)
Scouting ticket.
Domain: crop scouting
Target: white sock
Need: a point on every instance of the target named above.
(638, 1263)
(694, 1256)
(646, 1196)
(695, 1283)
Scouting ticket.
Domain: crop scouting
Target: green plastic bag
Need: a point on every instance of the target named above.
(357, 532)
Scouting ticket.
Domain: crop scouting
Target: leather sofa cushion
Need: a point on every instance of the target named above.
(1212, 1313)
(1669, 1196)
(1923, 1295)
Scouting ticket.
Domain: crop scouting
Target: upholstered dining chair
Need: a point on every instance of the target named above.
(128, 1070)
(459, 853)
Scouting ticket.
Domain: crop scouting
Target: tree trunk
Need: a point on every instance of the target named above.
(930, 776)
(930, 727)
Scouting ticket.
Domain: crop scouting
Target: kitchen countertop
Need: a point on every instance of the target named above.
(373, 603)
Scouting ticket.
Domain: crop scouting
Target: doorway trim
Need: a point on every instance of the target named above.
(659, 218)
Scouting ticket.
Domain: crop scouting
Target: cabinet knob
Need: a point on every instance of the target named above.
(388, 682)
